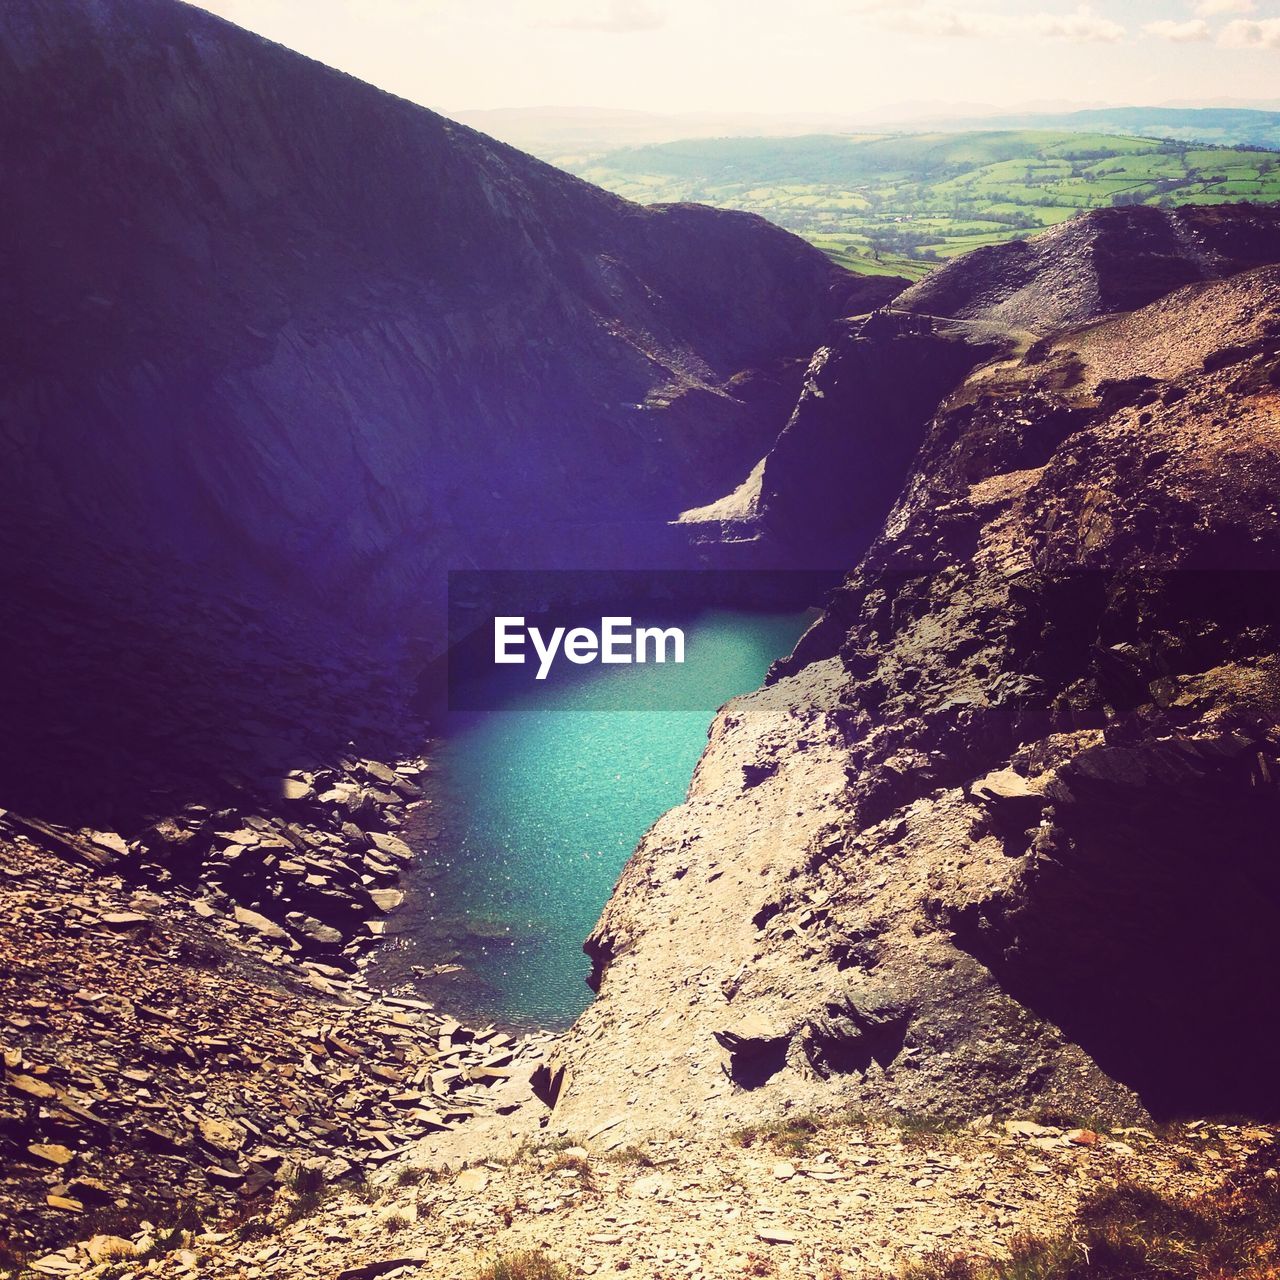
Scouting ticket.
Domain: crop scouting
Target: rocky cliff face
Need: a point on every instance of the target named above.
(280, 349)
(821, 493)
(1003, 831)
(1107, 261)
(266, 317)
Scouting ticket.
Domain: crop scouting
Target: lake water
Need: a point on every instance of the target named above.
(537, 805)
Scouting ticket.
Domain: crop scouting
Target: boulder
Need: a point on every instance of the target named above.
(386, 899)
(321, 935)
(757, 1048)
(52, 1153)
(393, 846)
(125, 919)
(110, 1249)
(472, 1181)
(260, 924)
(1009, 795)
(224, 1136)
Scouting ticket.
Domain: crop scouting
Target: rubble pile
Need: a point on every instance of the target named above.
(310, 878)
(159, 1062)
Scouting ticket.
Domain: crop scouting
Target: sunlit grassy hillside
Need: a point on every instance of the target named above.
(901, 203)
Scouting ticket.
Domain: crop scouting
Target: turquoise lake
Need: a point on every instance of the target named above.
(537, 805)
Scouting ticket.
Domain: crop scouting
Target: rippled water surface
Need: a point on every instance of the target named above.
(537, 805)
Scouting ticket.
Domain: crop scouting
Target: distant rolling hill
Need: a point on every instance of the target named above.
(900, 203)
(1223, 126)
(567, 135)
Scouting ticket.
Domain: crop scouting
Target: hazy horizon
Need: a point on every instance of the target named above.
(831, 58)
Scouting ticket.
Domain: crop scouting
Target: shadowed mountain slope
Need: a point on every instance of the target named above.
(259, 311)
(274, 337)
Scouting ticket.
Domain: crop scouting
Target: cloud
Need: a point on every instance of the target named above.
(1248, 34)
(917, 17)
(1213, 8)
(616, 17)
(920, 21)
(1180, 32)
(1083, 25)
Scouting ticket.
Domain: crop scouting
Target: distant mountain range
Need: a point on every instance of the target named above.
(1226, 126)
(555, 133)
(560, 133)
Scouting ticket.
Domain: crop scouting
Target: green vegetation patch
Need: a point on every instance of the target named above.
(531, 1265)
(900, 204)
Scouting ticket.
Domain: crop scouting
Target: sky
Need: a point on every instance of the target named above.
(841, 57)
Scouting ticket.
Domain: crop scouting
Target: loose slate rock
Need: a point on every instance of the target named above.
(125, 919)
(52, 1152)
(110, 1249)
(32, 1087)
(221, 1135)
(775, 1235)
(472, 1181)
(260, 923)
(392, 846)
(370, 1270)
(55, 1265)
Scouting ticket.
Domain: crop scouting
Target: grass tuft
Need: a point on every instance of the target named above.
(11, 1260)
(308, 1187)
(366, 1189)
(530, 1265)
(792, 1136)
(578, 1164)
(632, 1155)
(1131, 1232)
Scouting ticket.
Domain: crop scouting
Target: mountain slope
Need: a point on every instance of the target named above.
(824, 488)
(259, 300)
(1109, 260)
(821, 493)
(274, 337)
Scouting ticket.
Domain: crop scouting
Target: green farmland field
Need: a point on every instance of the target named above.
(902, 203)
